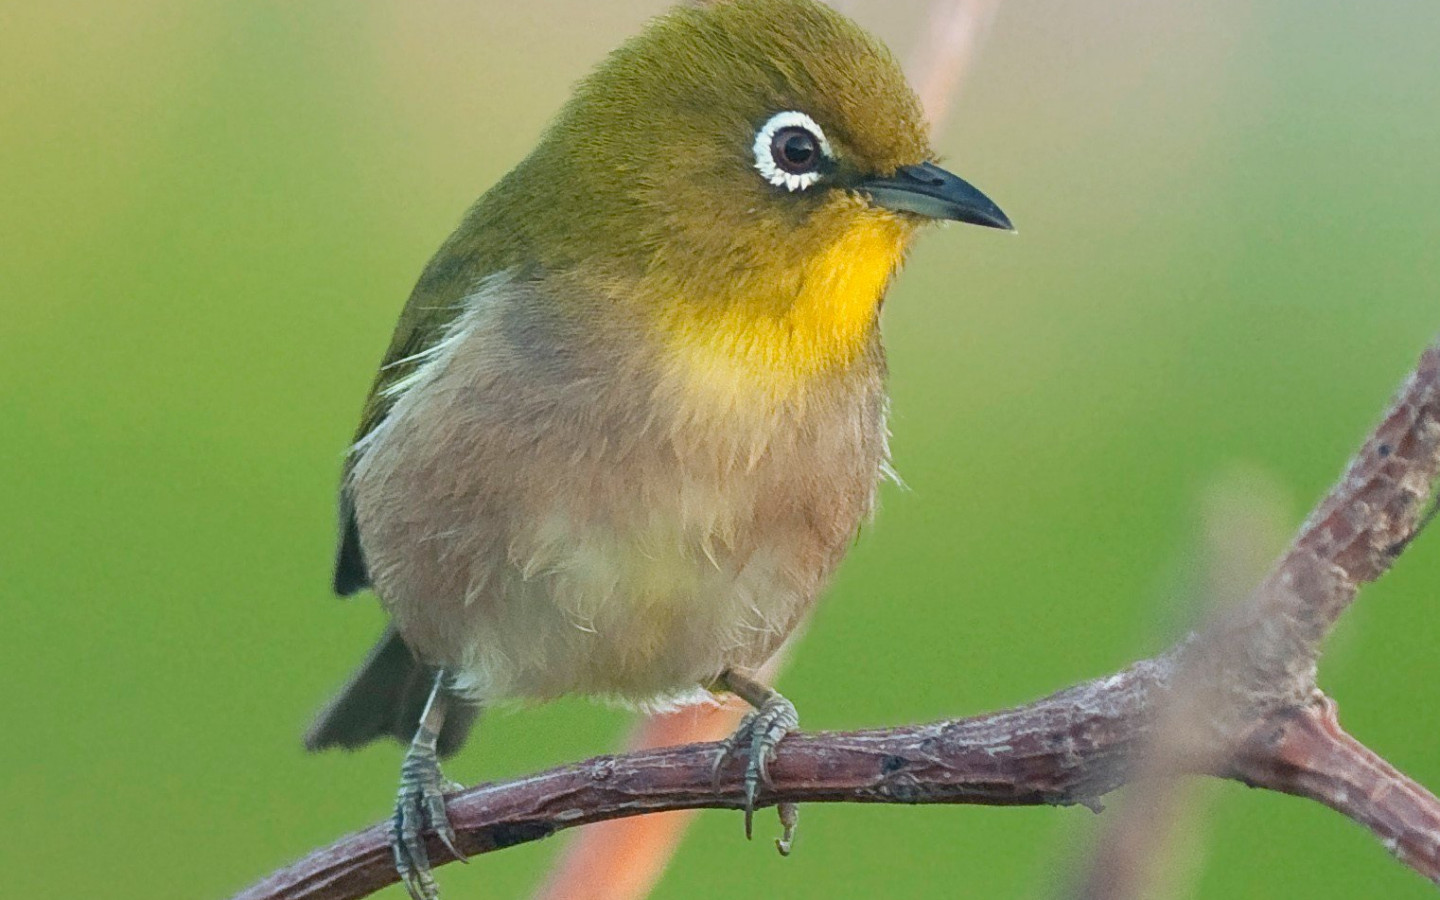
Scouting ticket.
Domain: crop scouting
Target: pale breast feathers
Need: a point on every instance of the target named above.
(542, 513)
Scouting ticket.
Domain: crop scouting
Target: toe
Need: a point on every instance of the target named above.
(400, 849)
(775, 722)
(438, 818)
(730, 748)
(761, 749)
(407, 840)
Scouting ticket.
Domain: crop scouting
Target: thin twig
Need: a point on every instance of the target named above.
(1308, 754)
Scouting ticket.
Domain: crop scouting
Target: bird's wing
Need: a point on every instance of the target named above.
(438, 298)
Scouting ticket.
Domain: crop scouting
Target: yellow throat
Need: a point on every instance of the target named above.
(766, 336)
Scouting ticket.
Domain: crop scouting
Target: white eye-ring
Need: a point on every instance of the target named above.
(791, 151)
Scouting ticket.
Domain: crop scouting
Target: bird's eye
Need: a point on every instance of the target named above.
(791, 151)
(795, 150)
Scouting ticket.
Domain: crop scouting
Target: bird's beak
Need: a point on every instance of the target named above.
(930, 191)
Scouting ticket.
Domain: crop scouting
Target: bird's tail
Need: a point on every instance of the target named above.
(385, 697)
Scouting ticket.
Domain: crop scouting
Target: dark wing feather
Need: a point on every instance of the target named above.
(385, 698)
(351, 574)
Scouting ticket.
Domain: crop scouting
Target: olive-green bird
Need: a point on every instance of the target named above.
(634, 412)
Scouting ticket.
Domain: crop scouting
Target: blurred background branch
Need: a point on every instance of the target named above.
(624, 859)
(946, 53)
(1144, 842)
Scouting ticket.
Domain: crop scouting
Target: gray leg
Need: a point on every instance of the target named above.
(758, 735)
(421, 803)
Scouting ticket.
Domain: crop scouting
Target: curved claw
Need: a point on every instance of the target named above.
(789, 819)
(749, 812)
(439, 819)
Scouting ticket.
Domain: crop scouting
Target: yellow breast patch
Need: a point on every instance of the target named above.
(777, 329)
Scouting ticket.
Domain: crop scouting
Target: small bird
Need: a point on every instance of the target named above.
(634, 412)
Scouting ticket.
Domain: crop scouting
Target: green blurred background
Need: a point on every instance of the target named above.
(213, 211)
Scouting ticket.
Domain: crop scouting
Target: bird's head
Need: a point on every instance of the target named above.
(753, 170)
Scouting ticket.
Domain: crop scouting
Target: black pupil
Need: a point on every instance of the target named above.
(796, 150)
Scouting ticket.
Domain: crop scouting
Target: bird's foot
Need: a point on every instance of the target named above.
(420, 806)
(757, 737)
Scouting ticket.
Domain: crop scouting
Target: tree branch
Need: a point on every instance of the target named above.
(1131, 857)
(1257, 663)
(1066, 749)
(1305, 752)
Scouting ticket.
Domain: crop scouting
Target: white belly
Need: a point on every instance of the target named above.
(643, 616)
